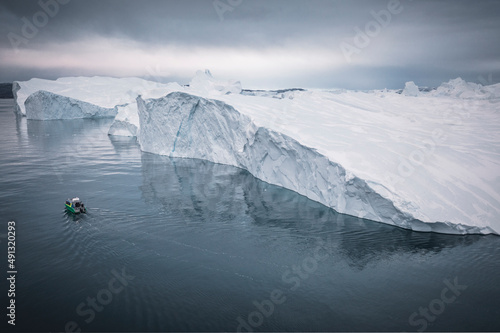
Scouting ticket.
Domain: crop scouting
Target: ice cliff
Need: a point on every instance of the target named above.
(44, 105)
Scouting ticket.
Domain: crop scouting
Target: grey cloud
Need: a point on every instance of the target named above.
(442, 38)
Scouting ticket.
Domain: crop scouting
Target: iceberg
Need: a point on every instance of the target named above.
(280, 94)
(459, 88)
(204, 83)
(411, 89)
(425, 161)
(377, 155)
(87, 92)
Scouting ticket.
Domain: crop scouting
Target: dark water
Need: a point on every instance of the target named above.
(198, 245)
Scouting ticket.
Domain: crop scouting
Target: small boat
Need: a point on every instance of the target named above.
(76, 206)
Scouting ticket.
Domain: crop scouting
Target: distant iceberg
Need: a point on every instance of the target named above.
(411, 89)
(459, 88)
(204, 83)
(427, 161)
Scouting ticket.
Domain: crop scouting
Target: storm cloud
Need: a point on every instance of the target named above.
(264, 43)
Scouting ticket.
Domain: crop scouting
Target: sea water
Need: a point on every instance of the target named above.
(187, 245)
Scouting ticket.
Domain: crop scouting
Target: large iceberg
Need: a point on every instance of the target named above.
(427, 162)
(386, 159)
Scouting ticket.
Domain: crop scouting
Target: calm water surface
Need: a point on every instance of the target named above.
(198, 246)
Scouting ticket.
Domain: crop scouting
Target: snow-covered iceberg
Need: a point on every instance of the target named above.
(459, 88)
(426, 166)
(87, 93)
(204, 83)
(411, 89)
(428, 162)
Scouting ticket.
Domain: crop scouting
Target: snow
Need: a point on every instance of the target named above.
(427, 161)
(411, 89)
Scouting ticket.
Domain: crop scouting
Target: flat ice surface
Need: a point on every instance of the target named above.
(436, 156)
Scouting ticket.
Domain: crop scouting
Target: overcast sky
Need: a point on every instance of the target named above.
(263, 43)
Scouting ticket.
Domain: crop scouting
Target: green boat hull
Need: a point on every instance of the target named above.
(69, 208)
(72, 210)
